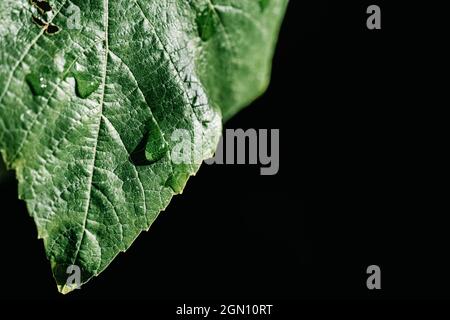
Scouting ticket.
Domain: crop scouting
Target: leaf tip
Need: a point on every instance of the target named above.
(65, 289)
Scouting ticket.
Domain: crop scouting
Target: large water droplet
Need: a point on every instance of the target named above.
(152, 147)
(85, 84)
(177, 180)
(206, 24)
(37, 83)
(156, 145)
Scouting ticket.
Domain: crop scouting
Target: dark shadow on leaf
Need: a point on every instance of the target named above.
(137, 157)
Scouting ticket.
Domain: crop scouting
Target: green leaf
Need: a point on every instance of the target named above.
(91, 93)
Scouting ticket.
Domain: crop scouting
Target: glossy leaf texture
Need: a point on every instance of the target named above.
(91, 93)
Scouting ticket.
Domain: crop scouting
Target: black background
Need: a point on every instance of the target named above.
(353, 188)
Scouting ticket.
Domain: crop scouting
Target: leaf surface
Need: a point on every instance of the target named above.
(91, 94)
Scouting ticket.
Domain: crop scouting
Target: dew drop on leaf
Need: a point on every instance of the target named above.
(52, 29)
(177, 180)
(156, 146)
(39, 22)
(85, 84)
(42, 5)
(37, 83)
(206, 24)
(152, 147)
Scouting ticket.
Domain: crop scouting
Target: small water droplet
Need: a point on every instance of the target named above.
(37, 83)
(52, 29)
(206, 24)
(42, 5)
(26, 115)
(177, 180)
(39, 22)
(65, 195)
(85, 85)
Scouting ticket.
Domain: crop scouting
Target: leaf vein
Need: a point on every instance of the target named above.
(102, 100)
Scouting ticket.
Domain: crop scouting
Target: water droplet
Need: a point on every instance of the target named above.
(156, 146)
(39, 22)
(52, 29)
(85, 85)
(177, 180)
(26, 115)
(37, 83)
(206, 24)
(263, 4)
(42, 5)
(65, 195)
(152, 147)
